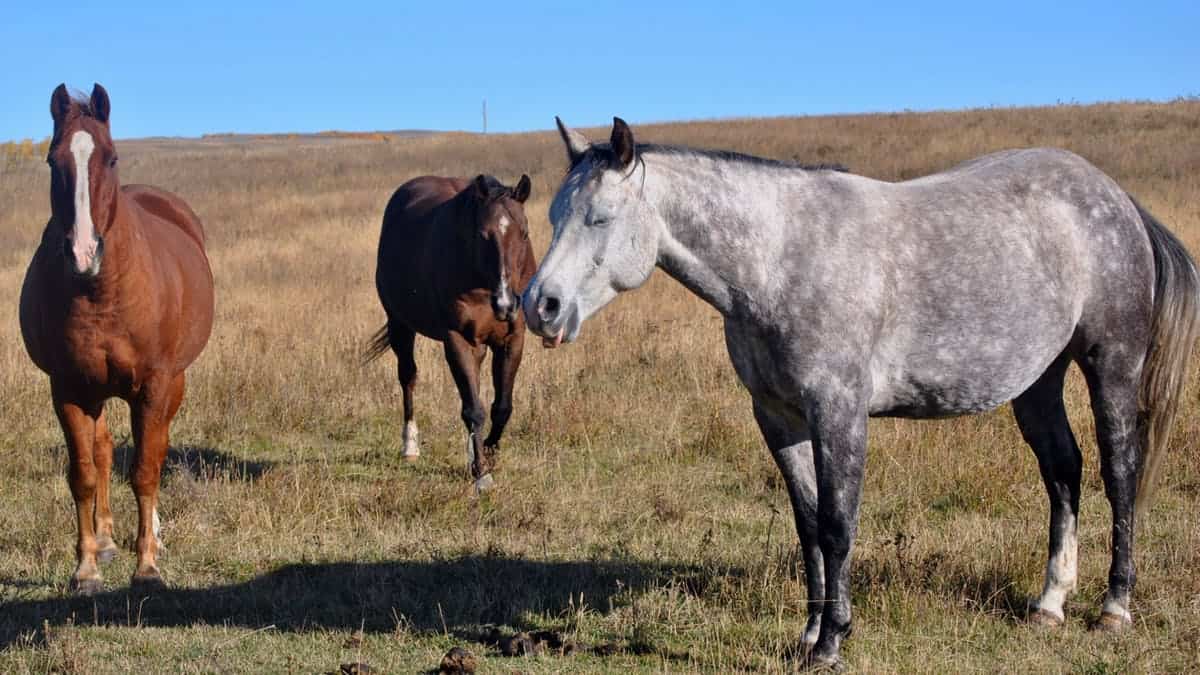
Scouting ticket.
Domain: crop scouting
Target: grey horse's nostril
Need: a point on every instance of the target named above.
(548, 308)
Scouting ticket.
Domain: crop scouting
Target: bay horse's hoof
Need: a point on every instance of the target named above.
(1040, 617)
(1112, 623)
(484, 483)
(146, 584)
(86, 587)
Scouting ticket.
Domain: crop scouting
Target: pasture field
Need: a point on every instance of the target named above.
(636, 507)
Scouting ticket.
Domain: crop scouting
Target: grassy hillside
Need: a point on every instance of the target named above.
(637, 508)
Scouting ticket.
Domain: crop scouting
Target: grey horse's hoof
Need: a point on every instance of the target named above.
(1044, 619)
(86, 587)
(815, 663)
(1112, 623)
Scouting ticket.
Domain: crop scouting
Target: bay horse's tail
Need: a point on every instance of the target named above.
(1174, 329)
(378, 345)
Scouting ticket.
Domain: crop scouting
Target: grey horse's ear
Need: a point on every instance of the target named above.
(100, 104)
(576, 143)
(622, 142)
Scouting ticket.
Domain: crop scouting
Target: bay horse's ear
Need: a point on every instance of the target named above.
(521, 192)
(622, 142)
(480, 187)
(100, 104)
(576, 143)
(60, 105)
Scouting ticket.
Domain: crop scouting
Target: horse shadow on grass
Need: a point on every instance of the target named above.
(455, 595)
(201, 463)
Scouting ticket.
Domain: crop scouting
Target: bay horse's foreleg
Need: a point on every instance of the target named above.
(103, 457)
(506, 359)
(791, 446)
(79, 427)
(464, 360)
(1043, 421)
(403, 341)
(1113, 377)
(150, 417)
(839, 426)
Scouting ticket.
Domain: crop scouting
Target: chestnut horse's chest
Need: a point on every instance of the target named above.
(90, 345)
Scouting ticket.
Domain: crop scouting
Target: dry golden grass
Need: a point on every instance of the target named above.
(636, 502)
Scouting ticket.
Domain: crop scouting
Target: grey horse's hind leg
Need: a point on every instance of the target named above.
(791, 446)
(1043, 421)
(1113, 377)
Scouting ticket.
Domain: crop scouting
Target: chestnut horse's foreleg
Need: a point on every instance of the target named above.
(506, 358)
(403, 340)
(103, 457)
(78, 422)
(464, 359)
(151, 416)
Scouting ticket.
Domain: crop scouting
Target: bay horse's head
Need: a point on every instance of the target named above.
(498, 240)
(83, 177)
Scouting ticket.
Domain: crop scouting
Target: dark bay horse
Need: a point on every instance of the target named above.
(117, 301)
(846, 297)
(454, 258)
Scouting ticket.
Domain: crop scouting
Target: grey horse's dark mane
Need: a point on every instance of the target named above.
(603, 154)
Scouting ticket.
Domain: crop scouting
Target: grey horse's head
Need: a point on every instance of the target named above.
(605, 235)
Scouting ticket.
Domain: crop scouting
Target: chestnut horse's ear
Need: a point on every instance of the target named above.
(521, 192)
(576, 143)
(60, 105)
(480, 187)
(100, 104)
(622, 142)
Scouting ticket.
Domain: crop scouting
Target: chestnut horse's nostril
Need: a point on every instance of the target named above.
(548, 307)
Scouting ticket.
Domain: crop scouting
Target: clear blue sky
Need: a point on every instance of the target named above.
(191, 68)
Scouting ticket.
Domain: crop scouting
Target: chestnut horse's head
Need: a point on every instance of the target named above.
(83, 177)
(499, 240)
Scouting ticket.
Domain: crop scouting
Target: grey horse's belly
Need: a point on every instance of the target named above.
(969, 374)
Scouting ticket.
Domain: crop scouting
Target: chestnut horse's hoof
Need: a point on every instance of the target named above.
(146, 584)
(86, 587)
(107, 552)
(1112, 623)
(1040, 617)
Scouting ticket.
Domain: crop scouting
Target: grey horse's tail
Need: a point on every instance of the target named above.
(1174, 330)
(378, 345)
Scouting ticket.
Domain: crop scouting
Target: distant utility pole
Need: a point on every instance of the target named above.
(485, 115)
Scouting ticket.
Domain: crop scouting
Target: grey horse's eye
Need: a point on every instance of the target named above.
(601, 221)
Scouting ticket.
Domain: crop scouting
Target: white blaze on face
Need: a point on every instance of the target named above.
(504, 223)
(83, 243)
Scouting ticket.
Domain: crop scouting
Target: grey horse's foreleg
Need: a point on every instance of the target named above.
(791, 446)
(839, 426)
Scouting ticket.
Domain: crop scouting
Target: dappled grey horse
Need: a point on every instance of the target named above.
(846, 297)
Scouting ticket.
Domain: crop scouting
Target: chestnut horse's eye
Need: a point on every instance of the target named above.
(112, 163)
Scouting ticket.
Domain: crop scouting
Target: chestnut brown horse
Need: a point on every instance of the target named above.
(454, 258)
(118, 301)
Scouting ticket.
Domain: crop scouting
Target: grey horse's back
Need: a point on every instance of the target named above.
(996, 263)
